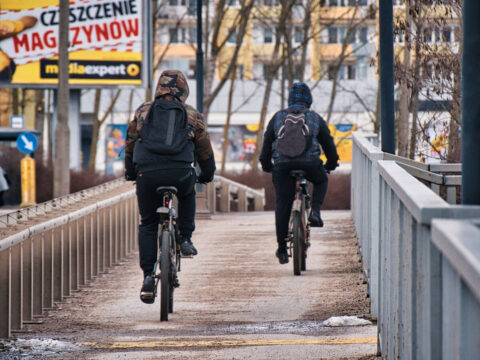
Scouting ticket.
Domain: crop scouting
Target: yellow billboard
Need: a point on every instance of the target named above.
(105, 42)
(342, 135)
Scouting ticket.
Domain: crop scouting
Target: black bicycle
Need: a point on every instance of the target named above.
(168, 264)
(299, 228)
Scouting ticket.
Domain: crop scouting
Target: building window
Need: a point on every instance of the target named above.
(427, 34)
(173, 2)
(173, 35)
(232, 39)
(240, 72)
(298, 36)
(333, 3)
(267, 35)
(363, 35)
(351, 75)
(446, 34)
(351, 36)
(332, 35)
(331, 72)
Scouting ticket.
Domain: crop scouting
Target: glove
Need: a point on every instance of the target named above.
(267, 167)
(130, 172)
(204, 178)
(129, 177)
(330, 166)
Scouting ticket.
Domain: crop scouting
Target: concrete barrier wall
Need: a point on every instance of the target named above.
(412, 280)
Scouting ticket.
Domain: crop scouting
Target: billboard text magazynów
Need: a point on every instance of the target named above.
(106, 42)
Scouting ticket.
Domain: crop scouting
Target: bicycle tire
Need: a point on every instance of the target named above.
(303, 264)
(165, 264)
(297, 244)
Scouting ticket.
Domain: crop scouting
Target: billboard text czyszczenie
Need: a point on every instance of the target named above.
(106, 42)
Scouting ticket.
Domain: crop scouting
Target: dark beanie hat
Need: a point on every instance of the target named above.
(300, 94)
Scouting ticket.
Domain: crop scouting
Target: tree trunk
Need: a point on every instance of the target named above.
(454, 154)
(95, 131)
(416, 83)
(404, 113)
(226, 129)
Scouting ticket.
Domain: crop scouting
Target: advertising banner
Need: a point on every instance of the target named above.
(106, 42)
(342, 135)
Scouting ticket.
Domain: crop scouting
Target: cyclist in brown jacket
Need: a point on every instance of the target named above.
(151, 170)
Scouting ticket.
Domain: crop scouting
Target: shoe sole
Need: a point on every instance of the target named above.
(147, 297)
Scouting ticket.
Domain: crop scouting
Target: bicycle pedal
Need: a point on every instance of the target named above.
(186, 256)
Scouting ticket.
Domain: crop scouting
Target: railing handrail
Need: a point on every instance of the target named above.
(15, 216)
(222, 179)
(36, 229)
(458, 242)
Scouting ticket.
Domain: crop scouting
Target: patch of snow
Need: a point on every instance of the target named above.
(345, 321)
(35, 347)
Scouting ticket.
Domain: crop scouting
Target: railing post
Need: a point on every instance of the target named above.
(57, 264)
(258, 203)
(28, 280)
(38, 279)
(67, 260)
(48, 270)
(242, 200)
(16, 287)
(225, 198)
(5, 283)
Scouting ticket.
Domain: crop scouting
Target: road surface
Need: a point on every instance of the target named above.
(235, 301)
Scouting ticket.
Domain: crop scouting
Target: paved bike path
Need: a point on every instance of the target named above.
(235, 301)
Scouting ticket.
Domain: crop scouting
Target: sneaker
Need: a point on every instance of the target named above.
(282, 256)
(315, 219)
(187, 248)
(147, 293)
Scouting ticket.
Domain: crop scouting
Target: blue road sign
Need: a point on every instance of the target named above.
(27, 142)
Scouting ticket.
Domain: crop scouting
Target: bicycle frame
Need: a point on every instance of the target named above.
(299, 229)
(167, 222)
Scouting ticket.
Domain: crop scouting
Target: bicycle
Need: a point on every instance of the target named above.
(169, 257)
(299, 228)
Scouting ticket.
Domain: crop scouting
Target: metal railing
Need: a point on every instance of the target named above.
(245, 197)
(409, 291)
(41, 264)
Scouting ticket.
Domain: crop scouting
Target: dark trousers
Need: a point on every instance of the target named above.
(149, 201)
(285, 191)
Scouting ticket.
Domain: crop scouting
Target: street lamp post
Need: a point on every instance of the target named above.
(199, 62)
(387, 101)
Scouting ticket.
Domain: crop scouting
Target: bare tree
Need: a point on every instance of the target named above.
(97, 124)
(238, 29)
(276, 62)
(434, 74)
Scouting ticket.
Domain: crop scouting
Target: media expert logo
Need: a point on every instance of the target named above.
(85, 69)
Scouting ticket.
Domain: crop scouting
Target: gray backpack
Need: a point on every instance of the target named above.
(294, 135)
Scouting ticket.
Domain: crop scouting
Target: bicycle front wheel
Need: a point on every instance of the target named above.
(297, 253)
(165, 265)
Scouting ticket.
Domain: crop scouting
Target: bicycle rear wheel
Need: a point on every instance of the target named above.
(165, 265)
(297, 243)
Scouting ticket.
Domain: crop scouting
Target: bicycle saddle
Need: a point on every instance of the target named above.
(297, 173)
(166, 189)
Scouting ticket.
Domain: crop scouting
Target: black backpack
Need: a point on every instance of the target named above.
(293, 137)
(165, 130)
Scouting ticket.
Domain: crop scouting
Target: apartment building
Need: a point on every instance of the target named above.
(339, 29)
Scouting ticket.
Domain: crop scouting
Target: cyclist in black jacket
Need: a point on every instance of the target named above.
(273, 160)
